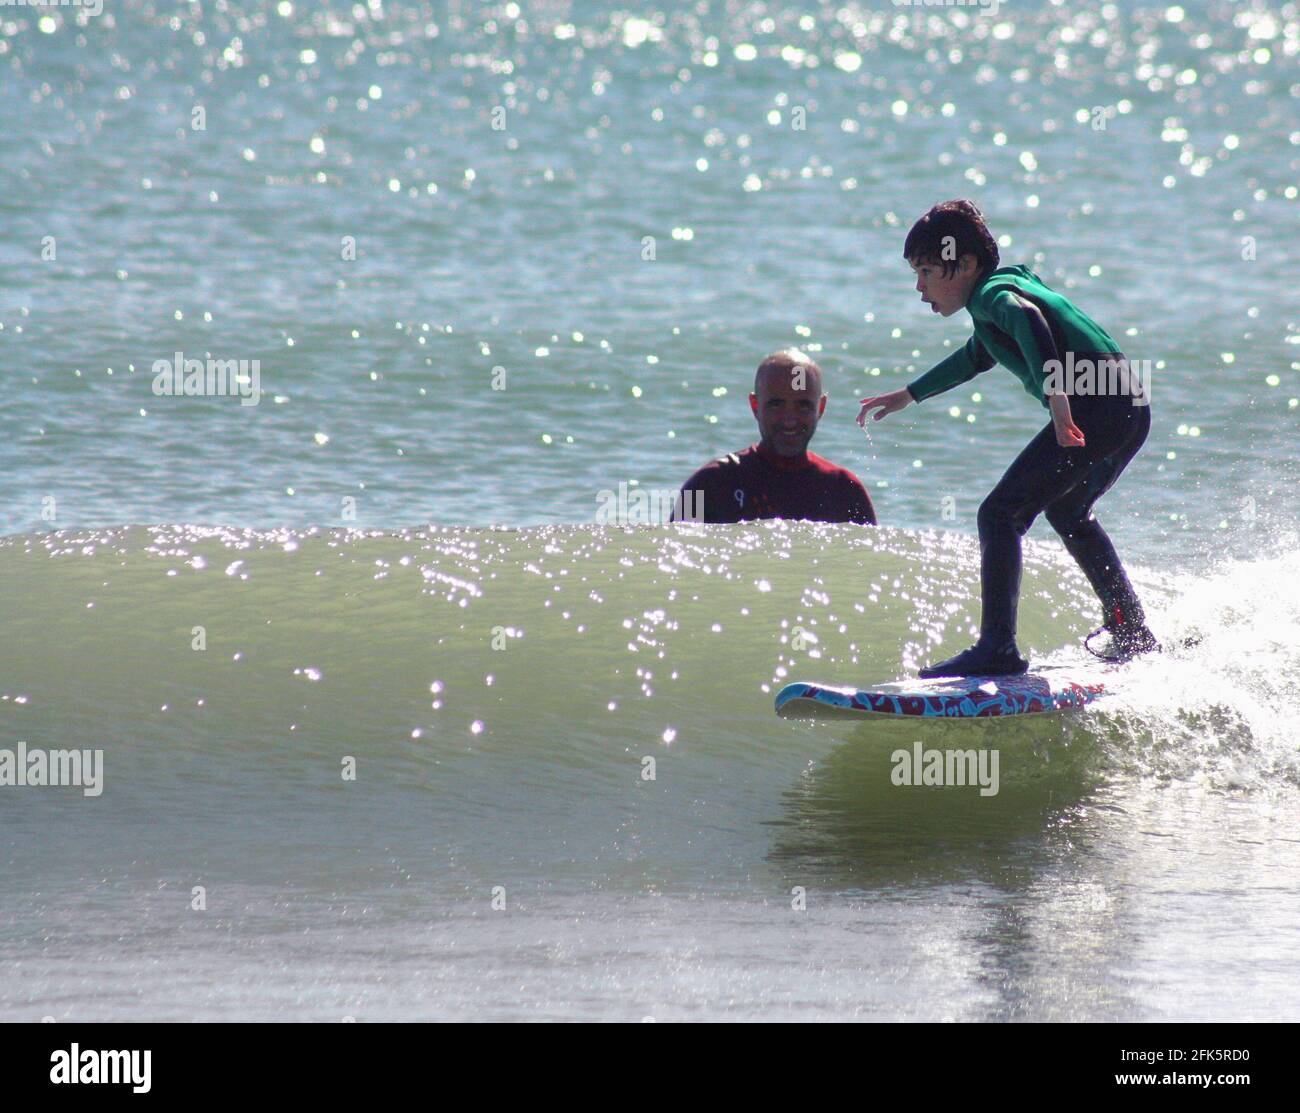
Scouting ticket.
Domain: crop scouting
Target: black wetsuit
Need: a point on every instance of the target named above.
(1023, 324)
(1063, 483)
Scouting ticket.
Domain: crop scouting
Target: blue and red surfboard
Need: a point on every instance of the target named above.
(973, 697)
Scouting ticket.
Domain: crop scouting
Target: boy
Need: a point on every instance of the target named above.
(1024, 325)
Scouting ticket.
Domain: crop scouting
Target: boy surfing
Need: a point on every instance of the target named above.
(1036, 334)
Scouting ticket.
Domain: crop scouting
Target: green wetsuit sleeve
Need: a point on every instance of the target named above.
(960, 367)
(1024, 322)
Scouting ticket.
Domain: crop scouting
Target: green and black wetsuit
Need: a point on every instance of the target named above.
(1023, 324)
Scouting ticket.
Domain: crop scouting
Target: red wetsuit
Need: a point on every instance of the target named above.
(758, 483)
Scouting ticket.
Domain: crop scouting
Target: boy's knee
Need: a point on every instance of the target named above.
(995, 512)
(1066, 520)
(986, 515)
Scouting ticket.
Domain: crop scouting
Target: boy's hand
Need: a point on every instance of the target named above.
(886, 403)
(1068, 435)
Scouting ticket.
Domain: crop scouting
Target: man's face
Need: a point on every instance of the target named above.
(788, 404)
(945, 295)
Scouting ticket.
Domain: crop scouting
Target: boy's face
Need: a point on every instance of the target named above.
(945, 294)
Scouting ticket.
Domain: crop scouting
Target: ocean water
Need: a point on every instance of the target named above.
(494, 260)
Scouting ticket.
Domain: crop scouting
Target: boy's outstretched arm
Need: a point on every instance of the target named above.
(963, 365)
(960, 367)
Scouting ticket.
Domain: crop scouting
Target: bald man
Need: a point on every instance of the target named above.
(779, 477)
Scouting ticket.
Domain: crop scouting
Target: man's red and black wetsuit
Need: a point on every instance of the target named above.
(759, 483)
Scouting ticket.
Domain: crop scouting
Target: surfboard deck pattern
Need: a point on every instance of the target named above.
(972, 697)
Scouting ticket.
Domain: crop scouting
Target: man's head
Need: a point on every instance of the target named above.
(787, 401)
(950, 249)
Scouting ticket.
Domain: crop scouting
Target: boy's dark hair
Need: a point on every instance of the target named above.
(947, 232)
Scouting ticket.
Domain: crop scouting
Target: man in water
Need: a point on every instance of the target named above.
(779, 477)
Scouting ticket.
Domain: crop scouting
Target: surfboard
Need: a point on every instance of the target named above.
(973, 697)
